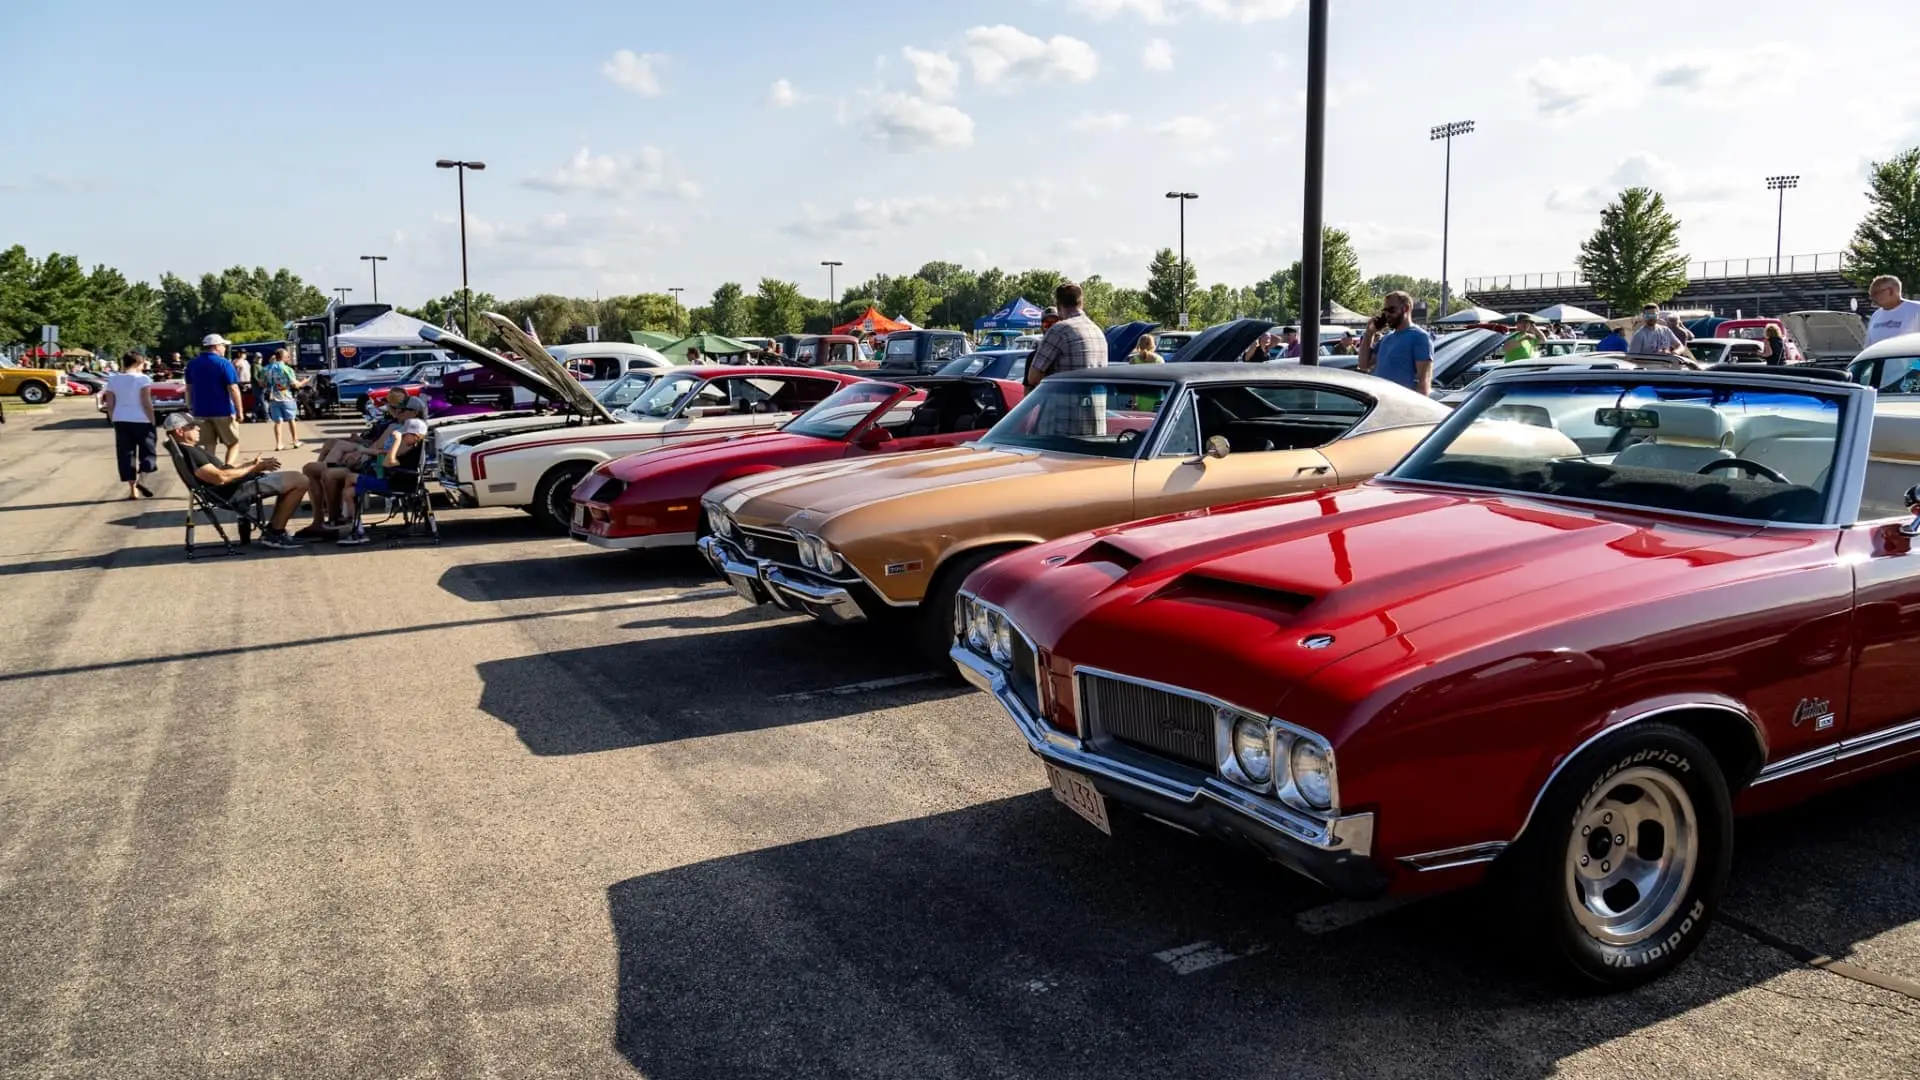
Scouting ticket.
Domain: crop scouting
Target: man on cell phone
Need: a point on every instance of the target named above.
(1397, 350)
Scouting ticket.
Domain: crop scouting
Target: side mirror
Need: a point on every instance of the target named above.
(874, 436)
(1218, 447)
(1912, 499)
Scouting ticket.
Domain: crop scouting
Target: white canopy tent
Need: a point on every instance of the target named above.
(1468, 315)
(1567, 313)
(390, 331)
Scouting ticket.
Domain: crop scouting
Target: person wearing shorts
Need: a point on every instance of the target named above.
(213, 396)
(287, 487)
(277, 380)
(403, 438)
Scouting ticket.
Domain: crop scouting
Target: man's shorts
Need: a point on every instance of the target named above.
(218, 427)
(282, 412)
(273, 483)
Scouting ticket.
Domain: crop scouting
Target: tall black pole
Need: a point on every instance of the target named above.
(1446, 222)
(376, 282)
(466, 294)
(1182, 279)
(1311, 215)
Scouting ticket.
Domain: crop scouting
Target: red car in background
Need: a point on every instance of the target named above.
(652, 499)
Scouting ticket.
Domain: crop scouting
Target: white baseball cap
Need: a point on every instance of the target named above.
(211, 340)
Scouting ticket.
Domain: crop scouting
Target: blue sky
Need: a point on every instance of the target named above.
(639, 146)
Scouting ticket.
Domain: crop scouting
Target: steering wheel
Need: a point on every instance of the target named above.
(1127, 437)
(1753, 467)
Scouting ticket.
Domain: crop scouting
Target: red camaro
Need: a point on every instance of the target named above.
(652, 499)
(1583, 624)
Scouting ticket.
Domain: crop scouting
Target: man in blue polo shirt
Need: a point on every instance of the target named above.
(1405, 353)
(213, 396)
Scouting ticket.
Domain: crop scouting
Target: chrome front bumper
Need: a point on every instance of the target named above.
(761, 582)
(1332, 851)
(632, 543)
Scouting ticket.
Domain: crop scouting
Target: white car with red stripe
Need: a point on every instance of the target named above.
(536, 470)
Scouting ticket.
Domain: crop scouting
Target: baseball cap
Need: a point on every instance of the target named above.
(213, 339)
(177, 421)
(1050, 311)
(416, 404)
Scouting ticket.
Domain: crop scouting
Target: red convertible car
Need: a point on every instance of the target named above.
(1589, 619)
(652, 499)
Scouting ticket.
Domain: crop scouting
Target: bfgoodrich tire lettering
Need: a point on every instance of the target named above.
(1628, 857)
(553, 499)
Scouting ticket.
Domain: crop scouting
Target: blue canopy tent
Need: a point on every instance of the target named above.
(1019, 314)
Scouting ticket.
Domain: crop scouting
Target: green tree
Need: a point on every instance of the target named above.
(1267, 298)
(1634, 257)
(1340, 280)
(1035, 285)
(241, 315)
(778, 308)
(1169, 283)
(729, 313)
(909, 298)
(973, 296)
(1379, 285)
(16, 287)
(1888, 239)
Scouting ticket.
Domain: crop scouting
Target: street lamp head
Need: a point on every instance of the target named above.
(1782, 183)
(375, 258)
(443, 163)
(1448, 131)
(1182, 195)
(831, 262)
(476, 166)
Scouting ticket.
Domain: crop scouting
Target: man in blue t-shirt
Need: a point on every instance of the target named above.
(1615, 341)
(213, 396)
(1405, 353)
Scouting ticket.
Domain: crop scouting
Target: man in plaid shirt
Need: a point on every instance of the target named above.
(1071, 344)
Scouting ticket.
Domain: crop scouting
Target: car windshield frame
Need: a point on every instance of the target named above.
(875, 395)
(645, 376)
(1846, 470)
(1003, 435)
(669, 378)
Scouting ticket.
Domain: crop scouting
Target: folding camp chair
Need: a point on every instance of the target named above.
(404, 492)
(246, 505)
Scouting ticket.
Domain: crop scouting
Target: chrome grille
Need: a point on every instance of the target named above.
(1150, 719)
(775, 547)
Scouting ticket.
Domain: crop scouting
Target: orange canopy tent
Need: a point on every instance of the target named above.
(872, 323)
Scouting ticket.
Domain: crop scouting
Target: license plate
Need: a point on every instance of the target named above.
(1080, 796)
(745, 587)
(579, 517)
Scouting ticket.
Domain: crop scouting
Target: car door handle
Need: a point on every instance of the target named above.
(1317, 470)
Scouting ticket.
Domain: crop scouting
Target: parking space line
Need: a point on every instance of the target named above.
(861, 687)
(1201, 955)
(1842, 968)
(1341, 914)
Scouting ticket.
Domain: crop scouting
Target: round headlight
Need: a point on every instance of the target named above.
(1313, 773)
(721, 522)
(979, 632)
(1250, 749)
(1001, 644)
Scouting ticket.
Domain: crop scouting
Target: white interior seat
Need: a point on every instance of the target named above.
(1689, 438)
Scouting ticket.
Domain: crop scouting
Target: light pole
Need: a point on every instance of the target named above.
(1447, 132)
(1781, 184)
(1312, 203)
(830, 264)
(676, 291)
(343, 291)
(466, 295)
(376, 260)
(1180, 290)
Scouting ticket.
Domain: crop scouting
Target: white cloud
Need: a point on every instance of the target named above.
(781, 95)
(1158, 55)
(1006, 53)
(905, 123)
(1167, 11)
(651, 171)
(1189, 129)
(867, 219)
(935, 73)
(1109, 121)
(635, 71)
(1581, 86)
(1645, 169)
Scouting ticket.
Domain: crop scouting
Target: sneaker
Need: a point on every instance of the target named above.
(357, 536)
(278, 538)
(318, 532)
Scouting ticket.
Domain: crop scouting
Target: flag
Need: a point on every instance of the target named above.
(527, 325)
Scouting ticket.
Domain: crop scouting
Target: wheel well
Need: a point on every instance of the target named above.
(993, 551)
(1732, 738)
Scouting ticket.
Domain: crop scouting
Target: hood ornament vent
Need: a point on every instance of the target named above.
(1316, 641)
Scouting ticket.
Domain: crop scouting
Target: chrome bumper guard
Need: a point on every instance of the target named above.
(761, 582)
(1332, 851)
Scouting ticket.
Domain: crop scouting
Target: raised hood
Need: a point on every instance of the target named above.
(567, 388)
(720, 452)
(835, 487)
(1827, 333)
(1248, 587)
(1223, 343)
(512, 370)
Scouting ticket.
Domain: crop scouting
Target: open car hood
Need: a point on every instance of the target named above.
(537, 358)
(1121, 339)
(513, 370)
(1220, 344)
(1827, 333)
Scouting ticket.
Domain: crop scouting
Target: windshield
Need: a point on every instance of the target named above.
(623, 390)
(1712, 449)
(663, 398)
(1098, 419)
(842, 412)
(1896, 374)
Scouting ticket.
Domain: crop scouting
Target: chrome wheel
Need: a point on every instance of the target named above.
(1632, 855)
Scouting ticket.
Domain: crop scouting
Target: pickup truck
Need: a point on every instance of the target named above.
(922, 352)
(35, 386)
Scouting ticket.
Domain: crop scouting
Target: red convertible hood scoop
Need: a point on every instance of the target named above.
(1291, 585)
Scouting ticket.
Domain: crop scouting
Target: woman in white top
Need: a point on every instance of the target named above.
(128, 401)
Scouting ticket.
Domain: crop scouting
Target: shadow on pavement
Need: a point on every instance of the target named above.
(1010, 939)
(580, 571)
(665, 689)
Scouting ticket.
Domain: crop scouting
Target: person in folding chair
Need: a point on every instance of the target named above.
(392, 469)
(234, 484)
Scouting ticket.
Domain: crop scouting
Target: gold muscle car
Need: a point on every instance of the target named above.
(863, 540)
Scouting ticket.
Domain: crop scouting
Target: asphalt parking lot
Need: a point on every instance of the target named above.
(513, 807)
